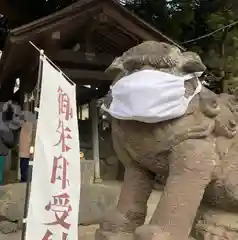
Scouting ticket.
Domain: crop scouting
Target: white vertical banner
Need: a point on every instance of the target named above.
(55, 189)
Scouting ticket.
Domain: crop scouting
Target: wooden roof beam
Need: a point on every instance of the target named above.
(66, 56)
(127, 24)
(86, 76)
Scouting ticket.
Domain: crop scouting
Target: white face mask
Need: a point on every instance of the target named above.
(150, 96)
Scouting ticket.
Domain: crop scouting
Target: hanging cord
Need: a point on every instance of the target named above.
(211, 33)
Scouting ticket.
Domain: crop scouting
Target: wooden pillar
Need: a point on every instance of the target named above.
(81, 112)
(95, 139)
(89, 111)
(18, 169)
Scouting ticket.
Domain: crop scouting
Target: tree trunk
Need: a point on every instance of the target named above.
(222, 56)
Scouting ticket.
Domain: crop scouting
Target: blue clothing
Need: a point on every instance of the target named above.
(24, 166)
(1, 169)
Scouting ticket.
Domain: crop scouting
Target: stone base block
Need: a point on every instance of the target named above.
(95, 201)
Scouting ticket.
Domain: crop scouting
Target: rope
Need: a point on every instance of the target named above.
(211, 33)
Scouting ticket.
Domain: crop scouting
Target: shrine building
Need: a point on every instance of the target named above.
(82, 39)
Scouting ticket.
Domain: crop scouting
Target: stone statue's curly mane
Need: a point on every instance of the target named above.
(156, 55)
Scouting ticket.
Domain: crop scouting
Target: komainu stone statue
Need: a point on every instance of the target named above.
(195, 155)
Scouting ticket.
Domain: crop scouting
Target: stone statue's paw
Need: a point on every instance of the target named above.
(114, 221)
(117, 226)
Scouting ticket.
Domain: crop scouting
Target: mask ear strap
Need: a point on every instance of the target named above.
(197, 90)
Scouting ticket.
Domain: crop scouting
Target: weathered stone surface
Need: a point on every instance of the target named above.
(7, 227)
(12, 199)
(216, 224)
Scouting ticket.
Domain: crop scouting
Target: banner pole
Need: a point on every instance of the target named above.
(53, 64)
(29, 176)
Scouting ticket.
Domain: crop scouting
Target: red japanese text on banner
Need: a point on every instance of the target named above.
(55, 189)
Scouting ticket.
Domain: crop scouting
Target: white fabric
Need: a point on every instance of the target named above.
(45, 188)
(150, 96)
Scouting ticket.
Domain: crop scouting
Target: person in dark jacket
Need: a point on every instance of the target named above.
(7, 141)
(9, 132)
(8, 138)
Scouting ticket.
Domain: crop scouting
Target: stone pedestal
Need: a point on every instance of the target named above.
(87, 171)
(95, 201)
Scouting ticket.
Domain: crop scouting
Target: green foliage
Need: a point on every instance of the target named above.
(188, 19)
(225, 45)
